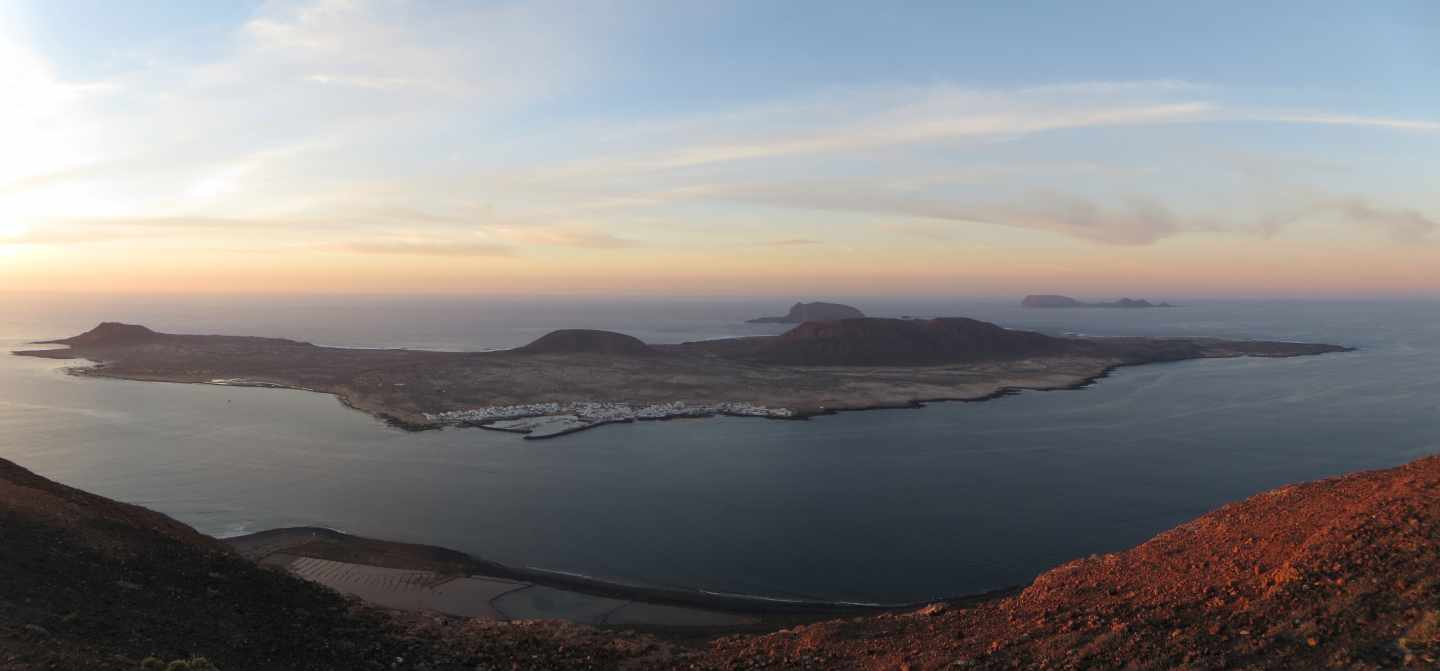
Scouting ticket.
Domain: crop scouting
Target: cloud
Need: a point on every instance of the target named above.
(1136, 220)
(925, 129)
(1403, 225)
(331, 120)
(69, 175)
(1330, 119)
(184, 222)
(858, 121)
(428, 248)
(878, 118)
(154, 231)
(304, 96)
(885, 141)
(564, 237)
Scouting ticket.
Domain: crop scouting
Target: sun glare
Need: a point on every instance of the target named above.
(11, 230)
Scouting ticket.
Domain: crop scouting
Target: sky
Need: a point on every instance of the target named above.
(799, 149)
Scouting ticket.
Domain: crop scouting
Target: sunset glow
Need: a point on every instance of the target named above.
(512, 147)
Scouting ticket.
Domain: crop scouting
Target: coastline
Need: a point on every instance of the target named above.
(419, 422)
(327, 556)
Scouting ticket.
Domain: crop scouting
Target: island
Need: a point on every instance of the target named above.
(812, 312)
(571, 380)
(1057, 301)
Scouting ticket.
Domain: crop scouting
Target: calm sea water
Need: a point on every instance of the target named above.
(896, 505)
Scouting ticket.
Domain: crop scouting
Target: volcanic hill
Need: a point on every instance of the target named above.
(108, 334)
(873, 341)
(812, 312)
(573, 341)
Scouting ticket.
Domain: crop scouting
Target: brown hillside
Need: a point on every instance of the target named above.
(900, 342)
(571, 341)
(109, 334)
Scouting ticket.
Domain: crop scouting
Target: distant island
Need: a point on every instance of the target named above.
(812, 312)
(1057, 301)
(572, 380)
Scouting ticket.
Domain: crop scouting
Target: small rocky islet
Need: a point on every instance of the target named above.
(1058, 301)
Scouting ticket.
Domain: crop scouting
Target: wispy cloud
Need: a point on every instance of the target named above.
(562, 236)
(384, 128)
(878, 118)
(306, 95)
(790, 242)
(884, 137)
(1137, 220)
(445, 248)
(1404, 225)
(1330, 119)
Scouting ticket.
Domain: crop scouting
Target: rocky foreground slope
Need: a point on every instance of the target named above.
(1338, 574)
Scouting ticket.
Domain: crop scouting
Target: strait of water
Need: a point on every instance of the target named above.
(895, 505)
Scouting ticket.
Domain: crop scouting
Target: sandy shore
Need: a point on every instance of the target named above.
(427, 578)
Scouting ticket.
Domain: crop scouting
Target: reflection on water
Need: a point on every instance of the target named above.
(883, 505)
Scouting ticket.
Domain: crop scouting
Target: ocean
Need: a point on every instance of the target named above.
(876, 506)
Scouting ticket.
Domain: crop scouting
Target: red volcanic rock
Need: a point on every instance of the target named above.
(896, 342)
(570, 341)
